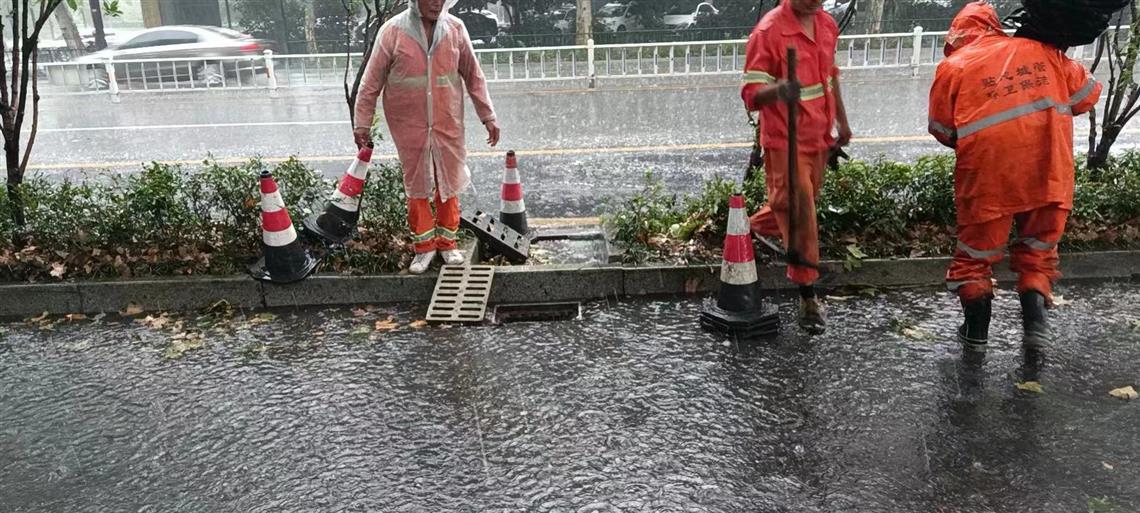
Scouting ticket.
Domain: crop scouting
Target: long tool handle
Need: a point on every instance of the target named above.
(793, 160)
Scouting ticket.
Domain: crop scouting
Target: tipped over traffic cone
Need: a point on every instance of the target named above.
(739, 310)
(336, 223)
(285, 260)
(512, 209)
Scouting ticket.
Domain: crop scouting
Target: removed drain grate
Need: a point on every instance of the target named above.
(498, 238)
(461, 293)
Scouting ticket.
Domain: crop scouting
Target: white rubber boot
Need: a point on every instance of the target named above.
(421, 263)
(454, 257)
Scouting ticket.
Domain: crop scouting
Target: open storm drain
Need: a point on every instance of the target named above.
(461, 294)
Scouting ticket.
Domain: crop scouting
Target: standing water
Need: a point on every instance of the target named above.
(631, 408)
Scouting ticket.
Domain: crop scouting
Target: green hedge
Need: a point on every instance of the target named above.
(170, 220)
(882, 209)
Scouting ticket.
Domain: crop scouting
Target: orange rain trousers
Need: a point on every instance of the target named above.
(438, 231)
(772, 219)
(1033, 255)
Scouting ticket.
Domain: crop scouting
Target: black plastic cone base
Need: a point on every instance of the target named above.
(334, 226)
(517, 222)
(762, 322)
(283, 265)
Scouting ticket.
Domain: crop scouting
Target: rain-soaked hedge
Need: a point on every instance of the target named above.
(171, 220)
(877, 209)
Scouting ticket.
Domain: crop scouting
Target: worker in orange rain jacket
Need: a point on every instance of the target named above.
(814, 34)
(1006, 105)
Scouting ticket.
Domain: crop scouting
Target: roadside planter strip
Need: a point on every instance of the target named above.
(513, 285)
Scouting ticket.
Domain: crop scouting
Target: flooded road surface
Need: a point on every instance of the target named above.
(631, 408)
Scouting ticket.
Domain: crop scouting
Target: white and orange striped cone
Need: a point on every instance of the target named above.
(739, 311)
(512, 208)
(336, 224)
(285, 259)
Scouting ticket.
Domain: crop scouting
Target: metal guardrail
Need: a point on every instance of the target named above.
(586, 63)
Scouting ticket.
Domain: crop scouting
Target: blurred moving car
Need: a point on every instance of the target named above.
(684, 14)
(616, 17)
(179, 42)
(482, 25)
(565, 18)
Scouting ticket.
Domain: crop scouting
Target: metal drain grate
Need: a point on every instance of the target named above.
(461, 293)
(499, 238)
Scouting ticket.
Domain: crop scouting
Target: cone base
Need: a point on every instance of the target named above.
(261, 273)
(762, 322)
(329, 228)
(517, 222)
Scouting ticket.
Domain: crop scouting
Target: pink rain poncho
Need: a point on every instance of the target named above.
(423, 98)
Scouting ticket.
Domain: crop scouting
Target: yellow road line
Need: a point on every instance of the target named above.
(563, 221)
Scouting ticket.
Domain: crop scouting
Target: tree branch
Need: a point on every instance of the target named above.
(35, 115)
(5, 104)
(17, 36)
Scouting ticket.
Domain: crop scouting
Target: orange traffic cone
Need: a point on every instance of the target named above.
(285, 260)
(512, 208)
(739, 310)
(336, 224)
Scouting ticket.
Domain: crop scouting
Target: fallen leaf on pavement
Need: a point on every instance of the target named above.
(41, 318)
(1061, 301)
(1107, 466)
(75, 317)
(359, 312)
(418, 324)
(360, 331)
(1125, 393)
(386, 325)
(1030, 386)
(132, 310)
(58, 270)
(263, 318)
(917, 333)
(839, 298)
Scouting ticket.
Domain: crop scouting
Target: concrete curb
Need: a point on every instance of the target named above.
(521, 284)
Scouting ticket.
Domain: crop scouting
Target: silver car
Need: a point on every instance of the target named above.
(186, 43)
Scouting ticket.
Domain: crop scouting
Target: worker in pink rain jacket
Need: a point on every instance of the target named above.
(422, 61)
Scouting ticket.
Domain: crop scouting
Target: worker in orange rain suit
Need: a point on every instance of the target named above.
(1006, 105)
(422, 61)
(814, 34)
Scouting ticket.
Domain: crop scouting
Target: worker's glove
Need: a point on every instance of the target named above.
(788, 90)
(835, 153)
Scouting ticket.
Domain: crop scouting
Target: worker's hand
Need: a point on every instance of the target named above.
(787, 90)
(362, 136)
(492, 133)
(844, 134)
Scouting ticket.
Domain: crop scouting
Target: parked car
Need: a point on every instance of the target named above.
(482, 25)
(684, 14)
(565, 18)
(178, 42)
(616, 17)
(837, 8)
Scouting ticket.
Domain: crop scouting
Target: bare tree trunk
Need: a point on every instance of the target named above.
(311, 27)
(876, 14)
(376, 13)
(584, 23)
(67, 26)
(21, 40)
(97, 20)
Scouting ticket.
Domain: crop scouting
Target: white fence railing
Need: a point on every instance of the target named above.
(586, 63)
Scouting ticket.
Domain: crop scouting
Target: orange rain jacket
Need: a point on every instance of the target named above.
(1006, 104)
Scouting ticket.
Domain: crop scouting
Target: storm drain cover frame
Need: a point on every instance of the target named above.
(461, 293)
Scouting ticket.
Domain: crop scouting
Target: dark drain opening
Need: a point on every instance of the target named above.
(537, 312)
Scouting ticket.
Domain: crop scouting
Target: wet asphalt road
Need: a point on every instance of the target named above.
(576, 146)
(630, 409)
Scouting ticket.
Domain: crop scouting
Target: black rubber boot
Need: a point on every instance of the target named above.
(1038, 335)
(975, 331)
